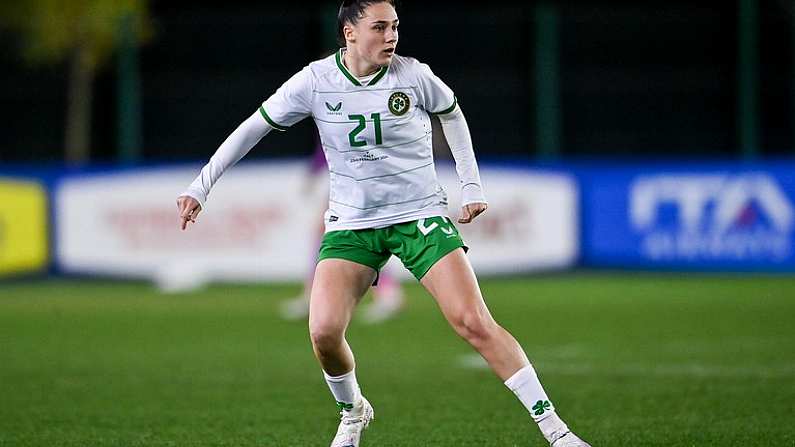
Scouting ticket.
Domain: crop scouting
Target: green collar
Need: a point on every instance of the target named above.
(352, 78)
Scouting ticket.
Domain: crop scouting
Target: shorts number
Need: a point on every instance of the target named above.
(425, 230)
(376, 117)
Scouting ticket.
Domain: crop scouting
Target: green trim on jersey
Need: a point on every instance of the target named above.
(270, 121)
(383, 204)
(419, 244)
(447, 110)
(342, 92)
(341, 66)
(378, 76)
(381, 176)
(351, 77)
(354, 121)
(344, 151)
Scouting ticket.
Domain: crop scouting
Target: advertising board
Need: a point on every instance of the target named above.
(23, 226)
(263, 222)
(705, 218)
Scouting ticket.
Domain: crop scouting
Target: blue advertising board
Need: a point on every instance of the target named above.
(732, 217)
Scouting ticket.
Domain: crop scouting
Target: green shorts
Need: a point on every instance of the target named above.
(419, 244)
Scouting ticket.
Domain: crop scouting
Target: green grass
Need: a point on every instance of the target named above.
(641, 360)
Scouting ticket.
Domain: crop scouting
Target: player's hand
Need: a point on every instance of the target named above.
(471, 211)
(188, 208)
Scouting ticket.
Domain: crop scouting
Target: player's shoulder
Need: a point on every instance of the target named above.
(321, 68)
(405, 64)
(409, 67)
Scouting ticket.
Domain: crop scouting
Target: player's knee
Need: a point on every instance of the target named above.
(474, 326)
(325, 337)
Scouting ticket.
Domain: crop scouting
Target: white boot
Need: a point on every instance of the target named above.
(352, 423)
(569, 440)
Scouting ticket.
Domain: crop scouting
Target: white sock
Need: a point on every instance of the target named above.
(345, 389)
(526, 386)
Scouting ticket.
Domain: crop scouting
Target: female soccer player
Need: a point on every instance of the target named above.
(387, 297)
(372, 109)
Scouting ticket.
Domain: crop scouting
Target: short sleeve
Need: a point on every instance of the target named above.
(291, 103)
(437, 97)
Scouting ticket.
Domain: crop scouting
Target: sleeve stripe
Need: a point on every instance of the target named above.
(449, 109)
(270, 121)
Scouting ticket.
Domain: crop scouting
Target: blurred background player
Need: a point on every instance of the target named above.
(387, 294)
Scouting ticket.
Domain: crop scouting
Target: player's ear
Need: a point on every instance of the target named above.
(349, 32)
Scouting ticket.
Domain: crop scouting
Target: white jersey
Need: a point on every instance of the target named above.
(376, 138)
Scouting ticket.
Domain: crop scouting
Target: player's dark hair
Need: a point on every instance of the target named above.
(350, 12)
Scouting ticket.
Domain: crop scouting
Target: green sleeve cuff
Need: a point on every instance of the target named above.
(449, 109)
(270, 121)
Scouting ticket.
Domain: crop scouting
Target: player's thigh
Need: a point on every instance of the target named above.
(337, 287)
(452, 283)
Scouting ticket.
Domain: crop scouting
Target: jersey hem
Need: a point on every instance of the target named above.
(385, 222)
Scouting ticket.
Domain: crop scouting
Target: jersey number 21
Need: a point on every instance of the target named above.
(376, 117)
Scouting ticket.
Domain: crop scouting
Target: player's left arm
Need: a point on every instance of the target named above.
(456, 132)
(437, 98)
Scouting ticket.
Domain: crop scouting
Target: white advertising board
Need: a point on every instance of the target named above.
(530, 224)
(263, 223)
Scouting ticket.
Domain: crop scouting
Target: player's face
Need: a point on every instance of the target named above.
(376, 34)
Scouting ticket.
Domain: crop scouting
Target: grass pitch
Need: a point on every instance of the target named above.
(629, 360)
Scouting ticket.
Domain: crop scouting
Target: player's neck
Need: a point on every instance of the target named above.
(358, 66)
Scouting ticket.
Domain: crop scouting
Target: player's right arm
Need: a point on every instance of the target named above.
(235, 147)
(288, 105)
